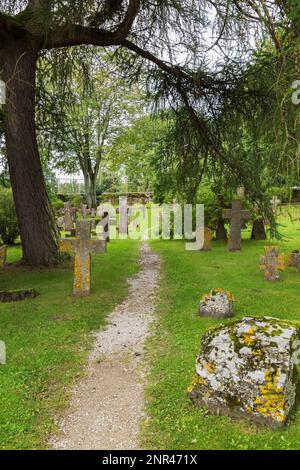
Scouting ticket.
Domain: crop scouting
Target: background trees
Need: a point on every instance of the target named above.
(83, 123)
(196, 58)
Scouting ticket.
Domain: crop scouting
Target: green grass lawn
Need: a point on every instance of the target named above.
(174, 422)
(47, 340)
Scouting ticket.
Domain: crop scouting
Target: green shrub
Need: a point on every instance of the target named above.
(77, 200)
(57, 204)
(9, 230)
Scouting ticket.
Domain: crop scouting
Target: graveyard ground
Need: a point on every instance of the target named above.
(174, 422)
(47, 340)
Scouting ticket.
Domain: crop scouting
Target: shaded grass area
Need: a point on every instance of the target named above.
(47, 339)
(174, 422)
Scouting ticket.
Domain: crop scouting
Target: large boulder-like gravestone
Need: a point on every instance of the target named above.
(218, 303)
(248, 369)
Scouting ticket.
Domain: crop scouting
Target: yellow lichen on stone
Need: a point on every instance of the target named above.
(248, 338)
(197, 381)
(210, 367)
(271, 403)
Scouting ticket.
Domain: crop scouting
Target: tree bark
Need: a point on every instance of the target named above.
(221, 232)
(258, 230)
(39, 234)
(93, 191)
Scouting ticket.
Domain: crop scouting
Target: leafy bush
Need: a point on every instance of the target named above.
(9, 230)
(283, 193)
(57, 204)
(77, 200)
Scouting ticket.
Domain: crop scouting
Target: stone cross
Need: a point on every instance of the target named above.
(83, 246)
(68, 217)
(3, 250)
(294, 260)
(204, 245)
(271, 263)
(236, 216)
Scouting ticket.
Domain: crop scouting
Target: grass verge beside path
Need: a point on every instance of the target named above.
(174, 422)
(47, 339)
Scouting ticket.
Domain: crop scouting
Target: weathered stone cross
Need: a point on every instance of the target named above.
(2, 255)
(236, 216)
(271, 263)
(83, 246)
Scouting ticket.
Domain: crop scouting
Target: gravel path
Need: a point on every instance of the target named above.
(107, 406)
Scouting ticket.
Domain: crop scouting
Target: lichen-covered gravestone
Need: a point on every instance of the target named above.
(218, 303)
(271, 263)
(83, 246)
(247, 369)
(3, 250)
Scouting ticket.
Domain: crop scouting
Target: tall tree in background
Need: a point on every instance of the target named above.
(151, 30)
(82, 125)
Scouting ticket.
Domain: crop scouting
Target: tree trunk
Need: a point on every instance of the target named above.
(258, 230)
(39, 234)
(221, 232)
(93, 192)
(87, 187)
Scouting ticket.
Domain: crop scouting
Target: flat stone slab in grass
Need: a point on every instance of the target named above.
(247, 369)
(17, 295)
(218, 303)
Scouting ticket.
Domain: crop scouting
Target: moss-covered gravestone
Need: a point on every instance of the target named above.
(3, 250)
(247, 369)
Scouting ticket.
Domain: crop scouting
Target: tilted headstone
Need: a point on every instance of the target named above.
(294, 260)
(248, 369)
(204, 238)
(83, 246)
(271, 263)
(3, 251)
(237, 216)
